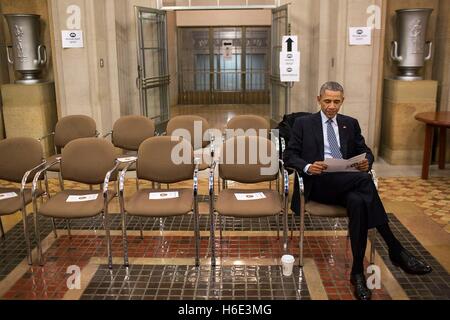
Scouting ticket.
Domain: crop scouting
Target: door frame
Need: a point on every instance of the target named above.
(163, 80)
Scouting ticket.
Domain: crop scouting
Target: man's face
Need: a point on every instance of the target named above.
(330, 102)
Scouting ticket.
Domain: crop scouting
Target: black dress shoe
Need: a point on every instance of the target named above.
(360, 284)
(409, 263)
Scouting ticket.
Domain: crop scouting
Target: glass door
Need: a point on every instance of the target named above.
(153, 73)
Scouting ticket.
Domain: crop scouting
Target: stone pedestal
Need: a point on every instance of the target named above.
(30, 111)
(402, 137)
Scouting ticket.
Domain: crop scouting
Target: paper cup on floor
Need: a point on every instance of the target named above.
(287, 262)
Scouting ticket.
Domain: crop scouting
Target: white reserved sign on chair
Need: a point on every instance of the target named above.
(163, 195)
(249, 196)
(8, 195)
(83, 198)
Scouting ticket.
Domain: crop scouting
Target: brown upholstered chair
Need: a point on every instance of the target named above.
(323, 210)
(187, 122)
(89, 161)
(20, 158)
(128, 133)
(248, 170)
(69, 128)
(248, 125)
(155, 164)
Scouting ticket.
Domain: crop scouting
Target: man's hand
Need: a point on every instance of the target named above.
(317, 168)
(363, 165)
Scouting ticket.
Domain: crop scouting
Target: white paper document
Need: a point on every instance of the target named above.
(127, 159)
(82, 198)
(8, 195)
(249, 196)
(164, 195)
(342, 165)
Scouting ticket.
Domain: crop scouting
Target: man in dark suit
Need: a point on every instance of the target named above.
(328, 134)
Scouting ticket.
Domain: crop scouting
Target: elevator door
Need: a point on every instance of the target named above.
(153, 74)
(228, 65)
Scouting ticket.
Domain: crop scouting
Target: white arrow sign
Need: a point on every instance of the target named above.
(290, 60)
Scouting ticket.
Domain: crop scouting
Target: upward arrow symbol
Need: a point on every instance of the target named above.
(289, 44)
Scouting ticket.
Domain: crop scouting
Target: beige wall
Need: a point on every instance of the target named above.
(224, 18)
(441, 67)
(4, 73)
(322, 27)
(83, 85)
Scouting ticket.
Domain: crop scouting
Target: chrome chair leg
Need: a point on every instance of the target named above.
(141, 228)
(292, 224)
(285, 233)
(212, 236)
(124, 231)
(211, 223)
(69, 232)
(47, 190)
(38, 237)
(302, 234)
(55, 232)
(2, 230)
(61, 181)
(220, 228)
(27, 235)
(125, 240)
(108, 236)
(196, 232)
(277, 217)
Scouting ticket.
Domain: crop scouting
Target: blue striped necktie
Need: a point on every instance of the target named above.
(332, 141)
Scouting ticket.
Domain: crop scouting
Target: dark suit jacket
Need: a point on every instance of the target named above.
(306, 146)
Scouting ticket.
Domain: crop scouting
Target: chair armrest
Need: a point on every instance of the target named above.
(285, 176)
(46, 136)
(38, 174)
(212, 147)
(195, 177)
(211, 179)
(107, 177)
(27, 174)
(374, 178)
(107, 134)
(299, 179)
(122, 175)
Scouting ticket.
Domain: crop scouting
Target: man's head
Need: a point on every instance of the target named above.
(331, 98)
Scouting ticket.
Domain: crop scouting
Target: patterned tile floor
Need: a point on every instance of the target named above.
(432, 195)
(251, 244)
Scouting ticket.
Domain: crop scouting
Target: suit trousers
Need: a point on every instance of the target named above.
(357, 192)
